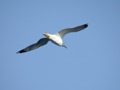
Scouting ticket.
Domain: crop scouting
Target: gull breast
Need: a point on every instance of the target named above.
(56, 40)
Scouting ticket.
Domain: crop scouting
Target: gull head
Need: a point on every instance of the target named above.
(47, 35)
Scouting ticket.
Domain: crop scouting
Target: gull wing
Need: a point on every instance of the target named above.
(40, 43)
(69, 30)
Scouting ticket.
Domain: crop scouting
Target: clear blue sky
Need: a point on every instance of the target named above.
(91, 61)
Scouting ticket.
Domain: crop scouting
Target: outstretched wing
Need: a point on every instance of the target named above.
(68, 30)
(41, 42)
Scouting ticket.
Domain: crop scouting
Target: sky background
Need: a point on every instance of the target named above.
(91, 61)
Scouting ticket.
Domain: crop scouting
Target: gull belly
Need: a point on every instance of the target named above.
(56, 40)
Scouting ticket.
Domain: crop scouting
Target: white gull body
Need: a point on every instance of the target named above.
(55, 38)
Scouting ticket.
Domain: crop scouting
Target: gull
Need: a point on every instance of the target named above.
(54, 38)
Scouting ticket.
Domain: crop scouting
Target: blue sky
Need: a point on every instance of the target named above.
(91, 61)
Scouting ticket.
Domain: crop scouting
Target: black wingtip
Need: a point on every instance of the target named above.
(86, 25)
(21, 51)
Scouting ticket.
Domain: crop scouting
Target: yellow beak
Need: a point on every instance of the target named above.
(46, 35)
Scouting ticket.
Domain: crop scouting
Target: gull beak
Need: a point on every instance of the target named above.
(46, 35)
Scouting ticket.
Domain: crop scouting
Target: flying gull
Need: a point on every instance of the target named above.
(55, 38)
